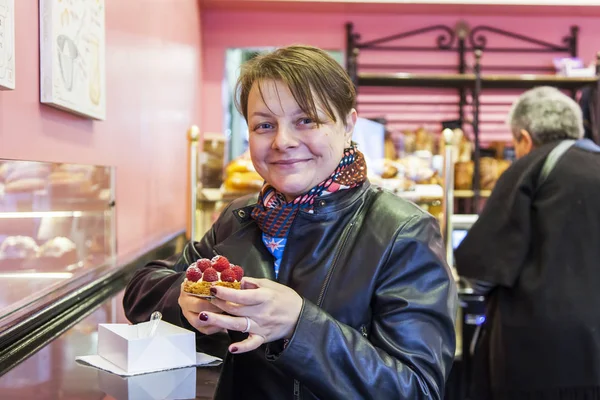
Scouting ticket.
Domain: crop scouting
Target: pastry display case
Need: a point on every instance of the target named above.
(56, 222)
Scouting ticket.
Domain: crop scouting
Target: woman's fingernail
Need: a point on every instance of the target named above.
(213, 291)
(234, 349)
(203, 317)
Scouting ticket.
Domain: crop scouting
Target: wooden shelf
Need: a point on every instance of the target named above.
(455, 81)
(465, 194)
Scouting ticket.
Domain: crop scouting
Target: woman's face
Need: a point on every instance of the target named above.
(288, 149)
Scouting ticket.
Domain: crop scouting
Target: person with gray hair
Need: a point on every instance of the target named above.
(534, 253)
(544, 115)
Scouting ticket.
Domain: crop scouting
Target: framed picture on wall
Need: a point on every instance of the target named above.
(7, 44)
(72, 56)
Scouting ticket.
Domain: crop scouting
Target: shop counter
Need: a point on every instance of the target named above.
(53, 373)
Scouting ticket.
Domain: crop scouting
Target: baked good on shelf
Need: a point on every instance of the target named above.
(15, 170)
(502, 166)
(26, 185)
(72, 180)
(463, 175)
(424, 140)
(24, 176)
(204, 274)
(57, 247)
(242, 164)
(417, 168)
(4, 168)
(57, 253)
(243, 182)
(491, 169)
(18, 247)
(488, 169)
(434, 179)
(67, 184)
(389, 171)
(241, 177)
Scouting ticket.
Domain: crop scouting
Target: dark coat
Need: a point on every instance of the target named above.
(541, 247)
(379, 302)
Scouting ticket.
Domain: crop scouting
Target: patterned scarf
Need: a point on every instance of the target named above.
(274, 214)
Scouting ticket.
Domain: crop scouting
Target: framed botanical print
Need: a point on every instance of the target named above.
(7, 44)
(72, 56)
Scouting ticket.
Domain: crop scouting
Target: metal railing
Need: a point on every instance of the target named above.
(193, 136)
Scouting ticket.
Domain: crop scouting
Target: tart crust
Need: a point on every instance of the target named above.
(203, 288)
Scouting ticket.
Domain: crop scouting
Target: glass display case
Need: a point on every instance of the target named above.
(57, 222)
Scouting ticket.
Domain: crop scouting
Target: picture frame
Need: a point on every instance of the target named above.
(73, 56)
(7, 45)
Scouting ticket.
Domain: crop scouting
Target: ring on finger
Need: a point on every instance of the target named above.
(247, 325)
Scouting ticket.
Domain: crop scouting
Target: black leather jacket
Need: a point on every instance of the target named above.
(379, 307)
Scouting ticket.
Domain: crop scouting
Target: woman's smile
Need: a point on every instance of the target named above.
(291, 163)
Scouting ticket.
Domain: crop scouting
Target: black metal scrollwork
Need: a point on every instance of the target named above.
(444, 41)
(477, 40)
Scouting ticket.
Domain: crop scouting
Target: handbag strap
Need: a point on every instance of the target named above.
(553, 158)
(558, 151)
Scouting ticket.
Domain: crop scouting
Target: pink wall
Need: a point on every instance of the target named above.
(153, 95)
(224, 29)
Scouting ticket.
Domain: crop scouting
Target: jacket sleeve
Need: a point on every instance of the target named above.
(409, 351)
(156, 287)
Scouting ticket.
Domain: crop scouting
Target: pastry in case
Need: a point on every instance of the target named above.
(24, 176)
(22, 252)
(203, 274)
(58, 252)
(18, 248)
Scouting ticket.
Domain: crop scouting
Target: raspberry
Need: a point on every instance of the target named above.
(228, 276)
(193, 273)
(238, 271)
(204, 263)
(220, 263)
(210, 275)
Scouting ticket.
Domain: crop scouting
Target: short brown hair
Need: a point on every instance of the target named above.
(307, 71)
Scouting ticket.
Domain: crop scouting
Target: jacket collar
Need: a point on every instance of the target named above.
(323, 205)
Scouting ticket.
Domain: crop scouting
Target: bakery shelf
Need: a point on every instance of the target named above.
(48, 214)
(469, 81)
(465, 194)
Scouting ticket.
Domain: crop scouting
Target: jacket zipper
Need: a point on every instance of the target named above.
(323, 288)
(346, 234)
(334, 264)
(363, 331)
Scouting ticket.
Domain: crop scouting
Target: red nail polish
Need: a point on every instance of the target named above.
(203, 317)
(213, 291)
(234, 349)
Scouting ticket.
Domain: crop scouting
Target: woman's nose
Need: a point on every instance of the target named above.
(284, 138)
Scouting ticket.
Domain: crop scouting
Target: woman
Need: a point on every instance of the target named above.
(348, 294)
(534, 250)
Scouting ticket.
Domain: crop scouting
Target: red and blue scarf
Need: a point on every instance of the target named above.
(274, 214)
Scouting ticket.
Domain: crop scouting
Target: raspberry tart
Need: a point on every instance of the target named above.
(204, 273)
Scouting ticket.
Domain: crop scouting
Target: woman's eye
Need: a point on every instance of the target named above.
(305, 121)
(263, 126)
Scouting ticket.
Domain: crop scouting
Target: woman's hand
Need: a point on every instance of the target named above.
(192, 306)
(267, 310)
